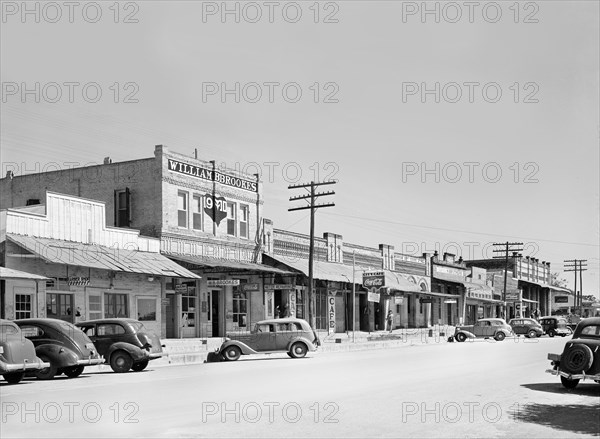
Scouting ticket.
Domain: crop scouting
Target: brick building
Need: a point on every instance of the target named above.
(206, 218)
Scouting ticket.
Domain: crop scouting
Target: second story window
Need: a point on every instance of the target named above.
(243, 221)
(197, 213)
(182, 209)
(231, 219)
(122, 208)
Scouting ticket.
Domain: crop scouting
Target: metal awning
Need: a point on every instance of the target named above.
(10, 273)
(205, 261)
(101, 257)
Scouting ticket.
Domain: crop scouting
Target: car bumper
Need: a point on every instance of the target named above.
(155, 355)
(8, 368)
(570, 376)
(90, 361)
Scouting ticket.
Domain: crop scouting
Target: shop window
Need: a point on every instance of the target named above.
(197, 213)
(231, 218)
(22, 306)
(299, 305)
(115, 305)
(182, 209)
(240, 308)
(94, 307)
(32, 202)
(244, 212)
(122, 208)
(420, 307)
(146, 309)
(188, 308)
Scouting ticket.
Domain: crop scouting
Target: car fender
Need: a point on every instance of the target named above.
(136, 353)
(505, 331)
(309, 345)
(467, 333)
(246, 350)
(59, 356)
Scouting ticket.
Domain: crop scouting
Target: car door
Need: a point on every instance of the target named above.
(264, 339)
(478, 329)
(284, 334)
(518, 327)
(106, 335)
(488, 329)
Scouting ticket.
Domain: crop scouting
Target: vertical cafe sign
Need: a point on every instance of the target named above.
(331, 312)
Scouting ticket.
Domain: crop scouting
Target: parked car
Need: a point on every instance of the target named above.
(291, 335)
(526, 326)
(124, 343)
(553, 325)
(484, 328)
(580, 359)
(17, 354)
(65, 347)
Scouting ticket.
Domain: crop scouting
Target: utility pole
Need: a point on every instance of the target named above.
(506, 248)
(313, 206)
(571, 265)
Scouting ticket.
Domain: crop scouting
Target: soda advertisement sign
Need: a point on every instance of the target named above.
(373, 279)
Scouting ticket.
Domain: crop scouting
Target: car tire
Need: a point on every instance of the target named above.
(232, 353)
(74, 372)
(532, 334)
(460, 337)
(48, 372)
(289, 354)
(298, 350)
(551, 333)
(577, 358)
(120, 362)
(499, 336)
(14, 378)
(567, 383)
(138, 367)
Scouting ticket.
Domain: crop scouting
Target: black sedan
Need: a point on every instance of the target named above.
(65, 347)
(125, 343)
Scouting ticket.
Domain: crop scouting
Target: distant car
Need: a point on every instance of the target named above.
(580, 359)
(291, 335)
(65, 347)
(17, 354)
(554, 325)
(526, 326)
(124, 343)
(494, 328)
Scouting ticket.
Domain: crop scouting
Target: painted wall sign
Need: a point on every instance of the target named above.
(331, 313)
(373, 279)
(215, 207)
(272, 287)
(207, 174)
(426, 300)
(222, 282)
(561, 299)
(292, 302)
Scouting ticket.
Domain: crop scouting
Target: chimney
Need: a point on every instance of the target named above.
(10, 174)
(107, 160)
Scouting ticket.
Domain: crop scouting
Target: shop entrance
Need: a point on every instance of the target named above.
(59, 306)
(170, 312)
(214, 313)
(364, 312)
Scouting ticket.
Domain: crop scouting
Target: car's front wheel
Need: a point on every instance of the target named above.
(551, 333)
(46, 373)
(460, 337)
(298, 350)
(532, 334)
(232, 353)
(14, 378)
(120, 362)
(567, 383)
(138, 367)
(74, 372)
(499, 336)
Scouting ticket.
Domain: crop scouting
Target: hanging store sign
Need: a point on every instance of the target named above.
(180, 289)
(215, 207)
(373, 297)
(250, 287)
(222, 282)
(426, 300)
(561, 299)
(513, 297)
(450, 301)
(399, 300)
(209, 175)
(272, 287)
(79, 281)
(331, 313)
(373, 279)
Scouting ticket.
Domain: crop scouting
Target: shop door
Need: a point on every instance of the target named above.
(59, 306)
(364, 312)
(170, 316)
(214, 313)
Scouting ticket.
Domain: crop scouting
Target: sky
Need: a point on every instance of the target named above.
(447, 125)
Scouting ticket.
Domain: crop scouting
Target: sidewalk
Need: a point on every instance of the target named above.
(195, 350)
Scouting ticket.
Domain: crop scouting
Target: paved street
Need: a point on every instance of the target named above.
(473, 389)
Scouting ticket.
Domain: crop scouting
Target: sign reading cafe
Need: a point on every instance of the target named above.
(373, 279)
(209, 175)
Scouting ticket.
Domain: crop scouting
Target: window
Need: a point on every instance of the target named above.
(197, 213)
(94, 307)
(240, 307)
(32, 202)
(146, 309)
(110, 329)
(244, 211)
(182, 209)
(122, 208)
(115, 305)
(188, 307)
(231, 219)
(22, 306)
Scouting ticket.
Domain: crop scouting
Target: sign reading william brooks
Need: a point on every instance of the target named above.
(373, 279)
(207, 174)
